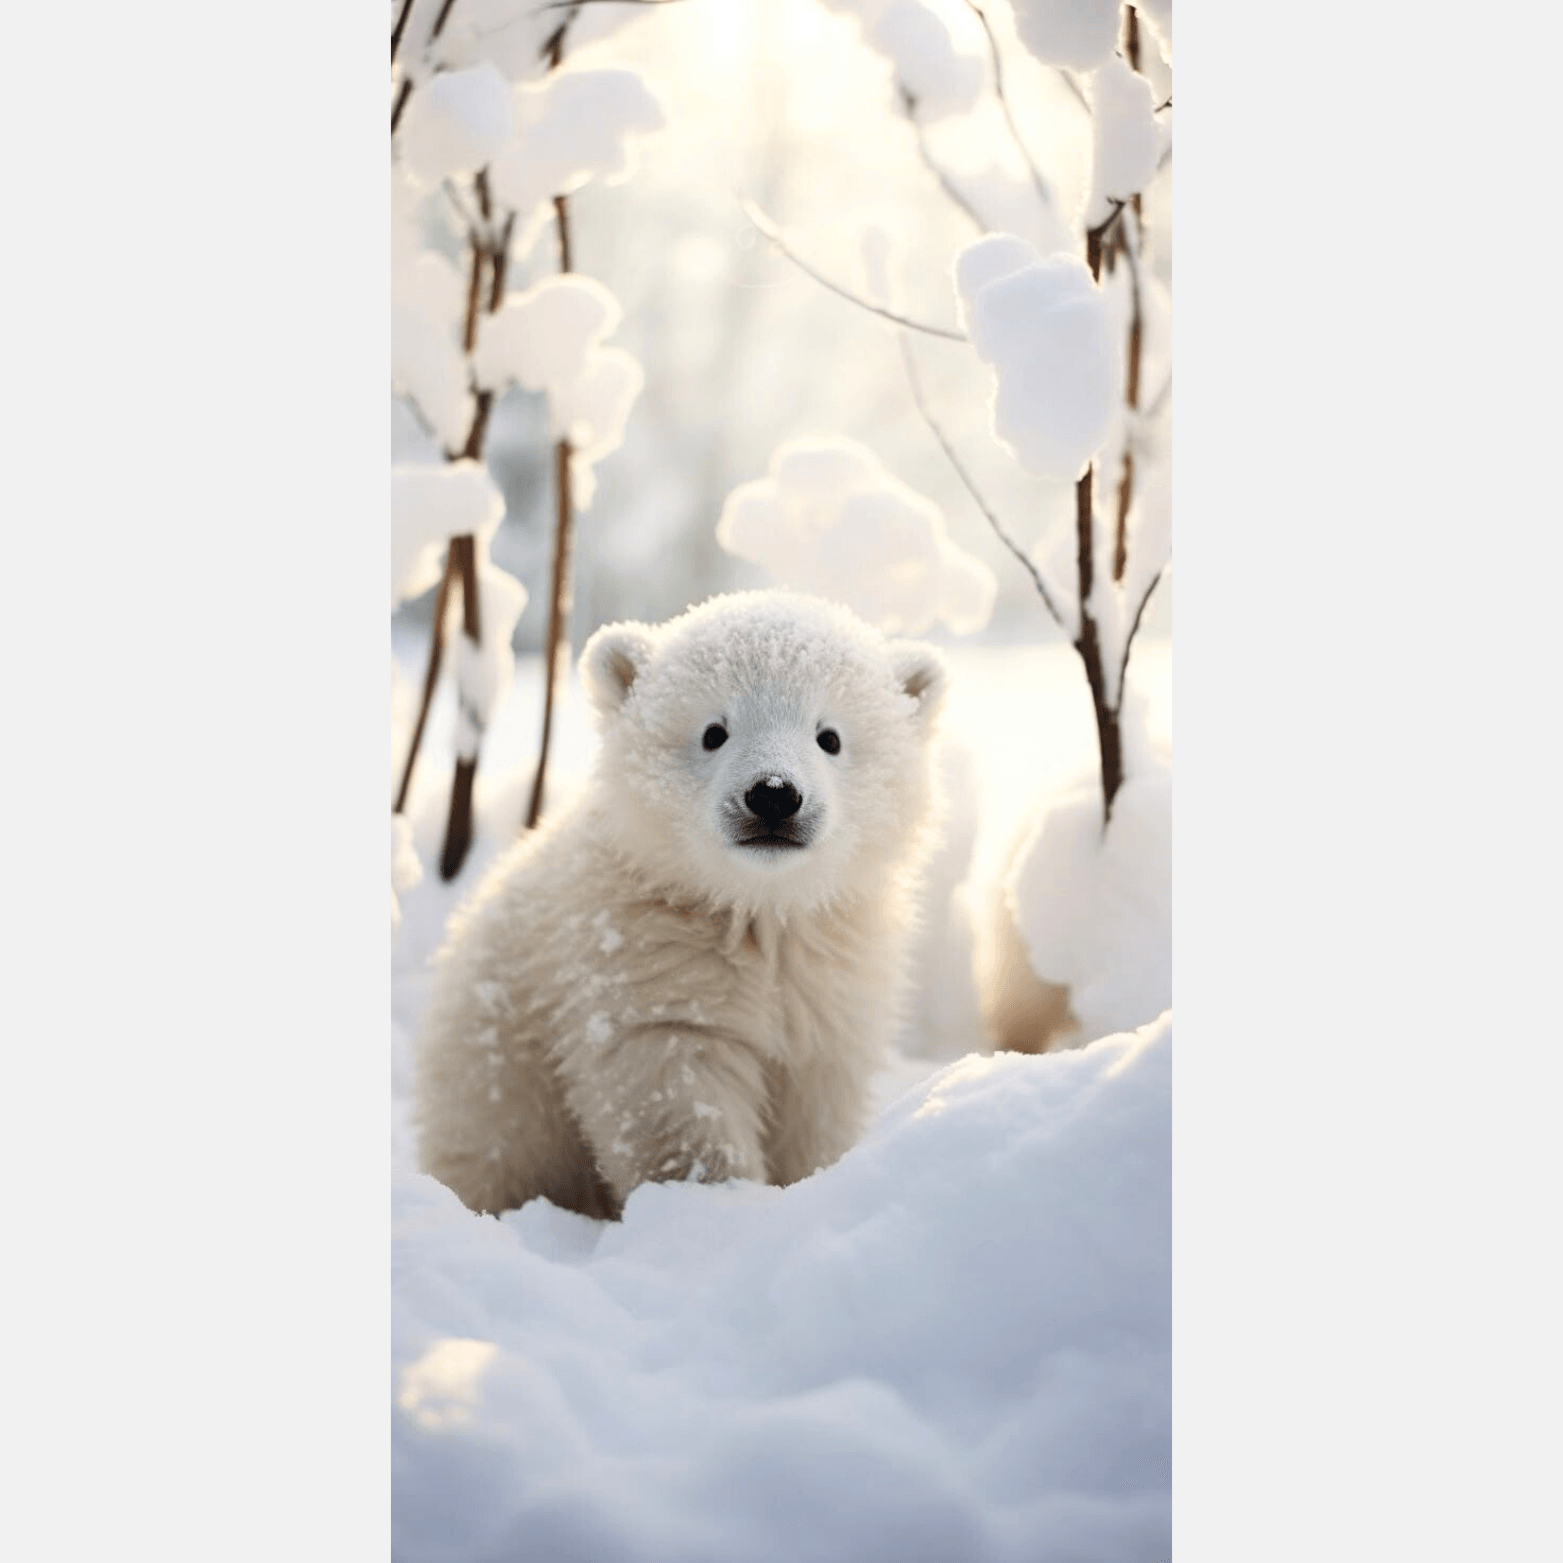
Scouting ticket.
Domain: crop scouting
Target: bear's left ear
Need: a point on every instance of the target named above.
(921, 673)
(611, 662)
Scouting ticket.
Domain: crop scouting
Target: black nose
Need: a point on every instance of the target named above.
(773, 800)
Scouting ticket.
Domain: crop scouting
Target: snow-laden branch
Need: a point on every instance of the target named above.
(915, 382)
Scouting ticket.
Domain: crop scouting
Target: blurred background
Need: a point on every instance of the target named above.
(783, 103)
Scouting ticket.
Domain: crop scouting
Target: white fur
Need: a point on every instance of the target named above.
(631, 995)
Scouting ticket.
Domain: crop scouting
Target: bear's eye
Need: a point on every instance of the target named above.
(714, 736)
(830, 741)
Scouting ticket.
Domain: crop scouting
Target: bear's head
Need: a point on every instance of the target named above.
(765, 750)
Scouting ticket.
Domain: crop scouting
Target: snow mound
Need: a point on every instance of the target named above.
(1095, 912)
(829, 519)
(916, 42)
(1046, 330)
(576, 126)
(1076, 34)
(954, 1343)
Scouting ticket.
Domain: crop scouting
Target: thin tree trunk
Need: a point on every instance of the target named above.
(559, 580)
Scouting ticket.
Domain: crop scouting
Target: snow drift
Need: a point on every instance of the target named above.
(954, 1343)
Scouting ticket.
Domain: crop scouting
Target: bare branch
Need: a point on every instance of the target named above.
(1043, 193)
(400, 28)
(1076, 91)
(410, 402)
(401, 102)
(948, 185)
(773, 233)
(1134, 628)
(915, 382)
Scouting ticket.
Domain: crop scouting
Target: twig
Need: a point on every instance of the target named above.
(1108, 734)
(1094, 237)
(400, 28)
(773, 233)
(410, 402)
(1075, 89)
(1043, 193)
(431, 677)
(914, 380)
(948, 185)
(1139, 613)
(401, 103)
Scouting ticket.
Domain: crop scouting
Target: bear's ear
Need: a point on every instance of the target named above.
(920, 672)
(613, 659)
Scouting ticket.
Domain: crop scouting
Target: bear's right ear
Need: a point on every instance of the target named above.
(611, 662)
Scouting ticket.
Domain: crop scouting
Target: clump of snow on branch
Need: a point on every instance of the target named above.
(456, 121)
(575, 126)
(1094, 911)
(427, 364)
(549, 339)
(484, 672)
(1042, 324)
(1126, 140)
(429, 506)
(953, 1343)
(830, 519)
(1076, 34)
(406, 870)
(916, 42)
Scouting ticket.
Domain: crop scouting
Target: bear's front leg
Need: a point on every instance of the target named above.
(658, 1105)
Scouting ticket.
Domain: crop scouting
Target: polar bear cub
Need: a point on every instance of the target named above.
(692, 970)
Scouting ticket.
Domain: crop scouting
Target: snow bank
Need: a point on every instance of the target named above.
(1076, 34)
(952, 1344)
(576, 126)
(829, 519)
(1095, 912)
(1046, 330)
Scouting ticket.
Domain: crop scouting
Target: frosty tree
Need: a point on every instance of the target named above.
(492, 129)
(1060, 324)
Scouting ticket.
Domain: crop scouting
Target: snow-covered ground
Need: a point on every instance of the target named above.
(953, 1344)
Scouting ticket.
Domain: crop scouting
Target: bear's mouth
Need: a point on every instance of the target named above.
(765, 839)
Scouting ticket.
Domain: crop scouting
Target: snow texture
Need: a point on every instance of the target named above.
(484, 672)
(954, 1343)
(455, 122)
(924, 59)
(830, 520)
(1076, 34)
(1095, 912)
(430, 505)
(1045, 328)
(548, 339)
(1125, 138)
(576, 126)
(428, 367)
(1158, 13)
(406, 870)
(541, 338)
